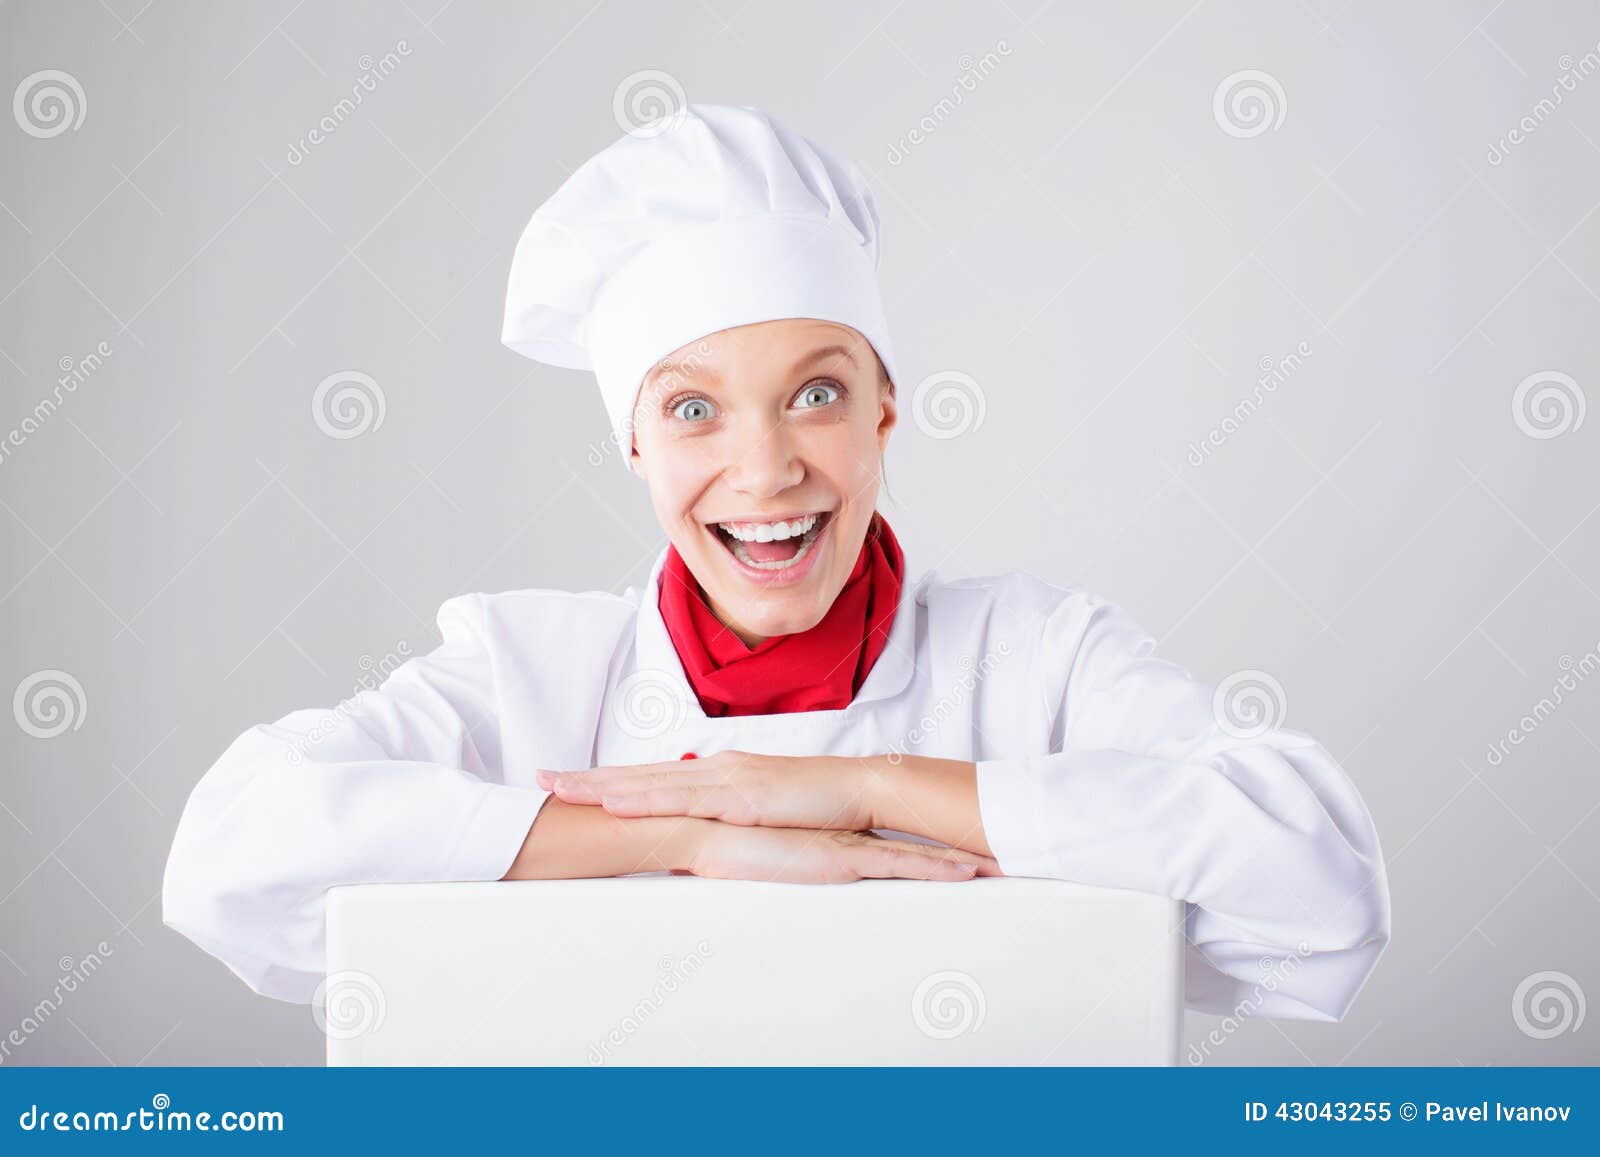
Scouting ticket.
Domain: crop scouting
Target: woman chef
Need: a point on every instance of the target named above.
(718, 275)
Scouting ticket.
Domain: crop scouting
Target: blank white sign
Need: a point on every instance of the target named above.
(665, 970)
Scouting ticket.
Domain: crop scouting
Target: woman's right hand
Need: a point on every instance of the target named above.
(826, 856)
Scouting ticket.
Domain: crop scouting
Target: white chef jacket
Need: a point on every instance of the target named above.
(1096, 762)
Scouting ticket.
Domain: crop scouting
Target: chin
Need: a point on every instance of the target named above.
(768, 612)
(769, 620)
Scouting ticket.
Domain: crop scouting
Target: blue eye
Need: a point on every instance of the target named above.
(817, 395)
(693, 410)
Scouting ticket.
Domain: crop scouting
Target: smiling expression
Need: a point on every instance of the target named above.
(761, 447)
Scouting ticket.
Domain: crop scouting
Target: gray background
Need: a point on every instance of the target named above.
(1079, 235)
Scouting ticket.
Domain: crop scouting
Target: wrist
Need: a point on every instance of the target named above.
(882, 799)
(675, 841)
(926, 796)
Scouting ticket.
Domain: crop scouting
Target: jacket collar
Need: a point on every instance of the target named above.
(889, 676)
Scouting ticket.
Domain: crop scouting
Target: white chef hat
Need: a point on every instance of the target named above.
(711, 218)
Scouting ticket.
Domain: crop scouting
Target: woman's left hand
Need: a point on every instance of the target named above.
(737, 787)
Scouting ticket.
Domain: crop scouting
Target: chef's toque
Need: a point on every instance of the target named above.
(711, 218)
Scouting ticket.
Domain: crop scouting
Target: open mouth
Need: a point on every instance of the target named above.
(772, 546)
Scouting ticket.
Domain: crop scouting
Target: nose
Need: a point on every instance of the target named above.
(765, 463)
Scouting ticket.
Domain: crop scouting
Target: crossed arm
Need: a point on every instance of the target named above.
(738, 815)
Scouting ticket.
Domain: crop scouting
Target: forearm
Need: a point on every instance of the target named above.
(571, 841)
(923, 796)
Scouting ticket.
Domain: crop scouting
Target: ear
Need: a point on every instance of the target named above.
(636, 460)
(888, 414)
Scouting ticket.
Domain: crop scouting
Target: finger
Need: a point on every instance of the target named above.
(570, 788)
(623, 770)
(589, 786)
(726, 802)
(661, 801)
(900, 862)
(599, 777)
(985, 865)
(645, 777)
(688, 800)
(982, 865)
(621, 773)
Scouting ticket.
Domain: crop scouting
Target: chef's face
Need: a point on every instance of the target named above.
(761, 448)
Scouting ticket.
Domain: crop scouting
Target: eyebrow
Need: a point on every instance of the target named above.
(823, 354)
(667, 367)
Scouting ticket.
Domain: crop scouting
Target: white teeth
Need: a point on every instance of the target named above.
(743, 556)
(807, 529)
(769, 531)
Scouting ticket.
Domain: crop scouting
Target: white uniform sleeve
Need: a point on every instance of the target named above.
(1265, 836)
(399, 784)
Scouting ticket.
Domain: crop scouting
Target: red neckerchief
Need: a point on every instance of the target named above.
(819, 669)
